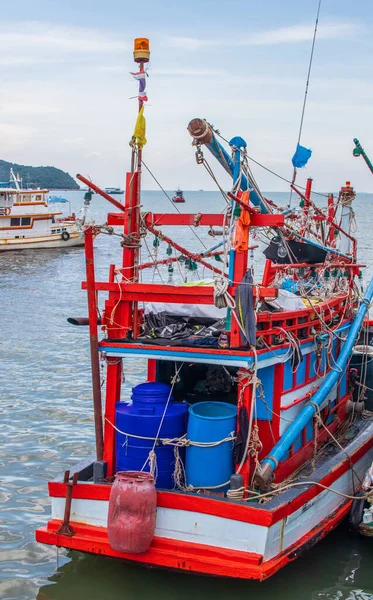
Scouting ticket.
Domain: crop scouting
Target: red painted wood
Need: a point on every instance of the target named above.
(152, 369)
(177, 294)
(245, 399)
(184, 556)
(175, 500)
(98, 190)
(93, 339)
(113, 387)
(187, 556)
(257, 220)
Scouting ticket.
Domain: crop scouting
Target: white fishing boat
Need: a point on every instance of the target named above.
(114, 190)
(28, 222)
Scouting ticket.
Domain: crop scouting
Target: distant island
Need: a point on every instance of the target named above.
(42, 177)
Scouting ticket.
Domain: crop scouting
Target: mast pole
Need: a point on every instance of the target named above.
(93, 339)
(359, 150)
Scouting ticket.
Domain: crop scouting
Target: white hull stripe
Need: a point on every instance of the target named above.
(221, 532)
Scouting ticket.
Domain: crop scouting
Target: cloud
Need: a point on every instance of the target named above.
(28, 42)
(282, 35)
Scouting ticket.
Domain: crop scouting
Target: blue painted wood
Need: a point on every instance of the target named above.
(301, 372)
(267, 377)
(226, 161)
(309, 431)
(288, 376)
(329, 382)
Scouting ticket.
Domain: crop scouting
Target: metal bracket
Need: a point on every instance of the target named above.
(66, 528)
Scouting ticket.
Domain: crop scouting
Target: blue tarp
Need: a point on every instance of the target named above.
(301, 157)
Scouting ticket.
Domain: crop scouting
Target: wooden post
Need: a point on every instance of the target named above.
(93, 338)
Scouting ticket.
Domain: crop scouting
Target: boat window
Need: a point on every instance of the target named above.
(15, 222)
(38, 198)
(26, 221)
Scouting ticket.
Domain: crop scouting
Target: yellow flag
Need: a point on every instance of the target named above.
(140, 129)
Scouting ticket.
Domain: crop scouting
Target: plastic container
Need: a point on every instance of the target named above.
(213, 466)
(362, 360)
(132, 512)
(142, 418)
(367, 516)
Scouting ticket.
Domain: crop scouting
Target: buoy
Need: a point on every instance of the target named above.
(132, 512)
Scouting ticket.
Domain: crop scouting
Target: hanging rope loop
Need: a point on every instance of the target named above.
(222, 298)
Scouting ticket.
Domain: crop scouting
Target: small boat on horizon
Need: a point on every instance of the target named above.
(113, 190)
(179, 196)
(57, 200)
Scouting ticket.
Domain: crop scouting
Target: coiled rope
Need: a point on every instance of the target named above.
(222, 298)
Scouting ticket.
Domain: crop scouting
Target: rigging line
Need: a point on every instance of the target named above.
(301, 187)
(173, 204)
(309, 72)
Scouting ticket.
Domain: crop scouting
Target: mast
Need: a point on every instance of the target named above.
(123, 316)
(359, 151)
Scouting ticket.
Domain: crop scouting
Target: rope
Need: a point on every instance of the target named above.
(269, 495)
(272, 172)
(222, 298)
(309, 72)
(181, 442)
(173, 204)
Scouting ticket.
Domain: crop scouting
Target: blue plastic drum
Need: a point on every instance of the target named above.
(210, 422)
(142, 417)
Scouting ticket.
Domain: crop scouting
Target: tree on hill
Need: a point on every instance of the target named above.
(43, 177)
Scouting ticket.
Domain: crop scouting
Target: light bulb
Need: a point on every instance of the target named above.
(281, 251)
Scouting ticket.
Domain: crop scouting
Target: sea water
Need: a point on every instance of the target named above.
(47, 427)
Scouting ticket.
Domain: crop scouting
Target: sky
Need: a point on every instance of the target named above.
(66, 94)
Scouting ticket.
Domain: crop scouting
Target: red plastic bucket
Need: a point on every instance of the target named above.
(132, 512)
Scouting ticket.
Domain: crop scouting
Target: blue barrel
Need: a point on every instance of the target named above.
(142, 417)
(210, 422)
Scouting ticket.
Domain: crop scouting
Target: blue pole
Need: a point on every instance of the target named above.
(239, 143)
(331, 250)
(226, 161)
(293, 431)
(202, 254)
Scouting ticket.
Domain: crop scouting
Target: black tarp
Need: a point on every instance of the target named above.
(300, 252)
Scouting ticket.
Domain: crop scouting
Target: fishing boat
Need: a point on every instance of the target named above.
(243, 445)
(26, 221)
(179, 196)
(114, 190)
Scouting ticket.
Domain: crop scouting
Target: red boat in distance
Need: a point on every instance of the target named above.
(179, 196)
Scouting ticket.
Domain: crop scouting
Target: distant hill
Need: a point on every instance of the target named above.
(43, 177)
